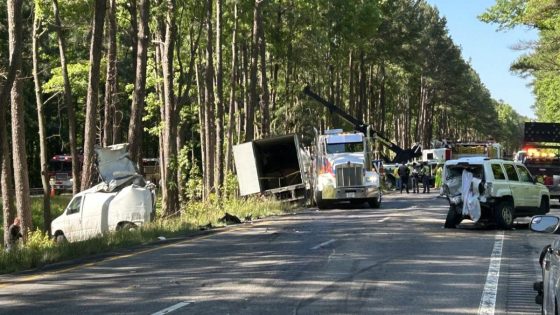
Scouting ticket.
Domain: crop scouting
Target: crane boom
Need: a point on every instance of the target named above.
(401, 155)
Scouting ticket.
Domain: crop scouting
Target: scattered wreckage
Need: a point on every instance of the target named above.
(123, 200)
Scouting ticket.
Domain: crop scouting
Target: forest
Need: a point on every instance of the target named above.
(184, 81)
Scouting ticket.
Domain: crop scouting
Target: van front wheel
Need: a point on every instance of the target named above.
(127, 226)
(61, 239)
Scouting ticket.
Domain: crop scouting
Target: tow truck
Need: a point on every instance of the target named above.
(345, 168)
(541, 154)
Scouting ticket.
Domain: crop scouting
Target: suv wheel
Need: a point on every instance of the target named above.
(504, 215)
(453, 217)
(545, 206)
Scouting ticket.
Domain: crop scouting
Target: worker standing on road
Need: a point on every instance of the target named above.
(404, 173)
(425, 174)
(439, 171)
(415, 177)
(397, 177)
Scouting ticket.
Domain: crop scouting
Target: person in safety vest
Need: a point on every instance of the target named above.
(397, 177)
(415, 177)
(425, 174)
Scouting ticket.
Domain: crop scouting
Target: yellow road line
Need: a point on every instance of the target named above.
(54, 272)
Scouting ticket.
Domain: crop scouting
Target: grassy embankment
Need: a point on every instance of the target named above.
(40, 250)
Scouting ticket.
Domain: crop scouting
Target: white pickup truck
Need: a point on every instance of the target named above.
(122, 201)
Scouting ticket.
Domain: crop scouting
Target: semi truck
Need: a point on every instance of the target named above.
(277, 166)
(344, 169)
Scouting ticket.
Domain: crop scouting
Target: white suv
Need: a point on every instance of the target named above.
(496, 191)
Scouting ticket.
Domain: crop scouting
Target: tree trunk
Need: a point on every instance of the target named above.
(209, 113)
(170, 192)
(350, 83)
(42, 129)
(219, 175)
(93, 92)
(15, 46)
(382, 101)
(232, 94)
(264, 102)
(138, 97)
(253, 97)
(68, 102)
(19, 154)
(111, 77)
(244, 77)
(362, 105)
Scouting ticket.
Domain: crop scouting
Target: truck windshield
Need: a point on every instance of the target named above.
(345, 147)
(60, 166)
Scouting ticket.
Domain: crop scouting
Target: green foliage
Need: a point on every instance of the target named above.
(78, 76)
(543, 61)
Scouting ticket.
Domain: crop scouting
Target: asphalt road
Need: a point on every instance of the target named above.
(393, 260)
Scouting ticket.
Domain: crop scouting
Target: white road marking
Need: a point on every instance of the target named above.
(383, 220)
(323, 244)
(488, 299)
(172, 308)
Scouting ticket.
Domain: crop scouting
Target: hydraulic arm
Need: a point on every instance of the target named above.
(401, 155)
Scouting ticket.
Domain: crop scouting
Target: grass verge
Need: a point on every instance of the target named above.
(40, 250)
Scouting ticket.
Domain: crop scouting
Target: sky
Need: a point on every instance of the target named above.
(490, 51)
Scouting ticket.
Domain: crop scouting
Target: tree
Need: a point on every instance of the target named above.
(37, 21)
(93, 92)
(219, 176)
(138, 97)
(111, 76)
(68, 101)
(16, 46)
(170, 191)
(209, 124)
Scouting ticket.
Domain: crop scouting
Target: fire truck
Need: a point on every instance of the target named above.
(60, 173)
(541, 154)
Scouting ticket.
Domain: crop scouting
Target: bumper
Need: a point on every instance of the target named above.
(351, 193)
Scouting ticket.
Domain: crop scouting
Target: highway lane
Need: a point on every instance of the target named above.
(397, 259)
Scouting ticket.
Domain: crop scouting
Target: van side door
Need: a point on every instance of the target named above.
(73, 222)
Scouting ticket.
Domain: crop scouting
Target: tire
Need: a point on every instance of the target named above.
(319, 201)
(453, 218)
(61, 239)
(127, 226)
(505, 215)
(375, 202)
(545, 206)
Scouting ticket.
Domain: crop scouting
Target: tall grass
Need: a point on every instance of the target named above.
(40, 250)
(58, 203)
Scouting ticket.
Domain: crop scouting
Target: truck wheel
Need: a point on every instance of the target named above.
(545, 205)
(375, 202)
(504, 215)
(453, 217)
(319, 201)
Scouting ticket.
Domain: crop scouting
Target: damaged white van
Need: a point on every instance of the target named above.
(123, 200)
(491, 190)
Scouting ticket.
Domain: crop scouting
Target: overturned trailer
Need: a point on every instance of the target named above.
(277, 166)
